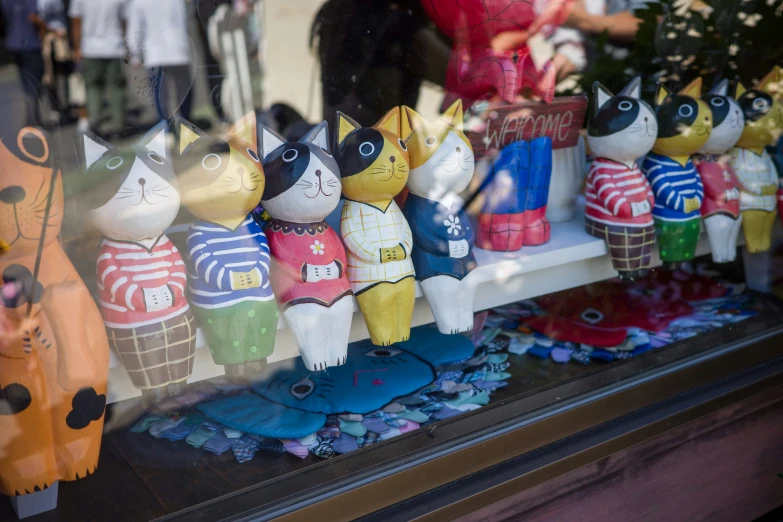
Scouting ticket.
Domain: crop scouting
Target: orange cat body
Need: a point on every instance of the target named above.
(54, 365)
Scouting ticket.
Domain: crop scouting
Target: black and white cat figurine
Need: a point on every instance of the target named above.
(302, 188)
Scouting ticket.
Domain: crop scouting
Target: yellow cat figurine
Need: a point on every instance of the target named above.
(756, 174)
(221, 181)
(373, 163)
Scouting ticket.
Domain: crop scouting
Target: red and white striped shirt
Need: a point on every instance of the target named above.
(138, 286)
(616, 194)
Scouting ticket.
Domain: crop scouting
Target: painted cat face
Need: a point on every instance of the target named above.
(442, 160)
(374, 160)
(623, 127)
(371, 377)
(763, 111)
(25, 182)
(728, 121)
(134, 195)
(221, 179)
(684, 121)
(302, 178)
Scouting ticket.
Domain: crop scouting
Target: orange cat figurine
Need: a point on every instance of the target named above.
(54, 355)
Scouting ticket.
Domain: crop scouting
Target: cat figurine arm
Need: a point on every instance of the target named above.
(362, 248)
(248, 266)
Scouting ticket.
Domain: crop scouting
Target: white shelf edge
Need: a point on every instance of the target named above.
(571, 258)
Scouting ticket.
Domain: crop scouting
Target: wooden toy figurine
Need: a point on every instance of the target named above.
(54, 368)
(516, 190)
(720, 208)
(312, 288)
(140, 274)
(618, 198)
(684, 126)
(442, 165)
(373, 163)
(756, 174)
(221, 180)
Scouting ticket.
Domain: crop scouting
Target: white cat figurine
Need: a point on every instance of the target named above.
(302, 188)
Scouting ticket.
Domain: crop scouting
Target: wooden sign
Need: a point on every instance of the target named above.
(561, 120)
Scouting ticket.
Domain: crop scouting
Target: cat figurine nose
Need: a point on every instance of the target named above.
(392, 159)
(142, 181)
(12, 195)
(318, 173)
(459, 150)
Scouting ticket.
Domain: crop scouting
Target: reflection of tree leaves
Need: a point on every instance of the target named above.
(678, 39)
(728, 16)
(747, 52)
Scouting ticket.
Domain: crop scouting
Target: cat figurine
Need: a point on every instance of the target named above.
(720, 209)
(221, 180)
(373, 163)
(54, 369)
(516, 190)
(441, 166)
(756, 173)
(309, 271)
(618, 197)
(684, 126)
(140, 273)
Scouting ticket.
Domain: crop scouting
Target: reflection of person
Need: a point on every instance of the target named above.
(22, 26)
(97, 32)
(206, 10)
(373, 56)
(619, 23)
(159, 29)
(56, 49)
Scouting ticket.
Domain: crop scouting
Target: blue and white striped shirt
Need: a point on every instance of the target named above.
(216, 254)
(672, 184)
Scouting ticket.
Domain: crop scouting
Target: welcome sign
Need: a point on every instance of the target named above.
(505, 123)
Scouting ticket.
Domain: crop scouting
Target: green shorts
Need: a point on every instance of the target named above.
(239, 333)
(677, 240)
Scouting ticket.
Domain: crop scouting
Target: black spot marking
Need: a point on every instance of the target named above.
(88, 406)
(14, 399)
(21, 275)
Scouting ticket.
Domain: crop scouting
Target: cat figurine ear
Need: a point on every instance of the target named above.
(721, 88)
(345, 126)
(601, 96)
(187, 133)
(245, 130)
(739, 90)
(453, 115)
(318, 135)
(155, 140)
(633, 89)
(771, 83)
(268, 140)
(93, 148)
(660, 95)
(693, 89)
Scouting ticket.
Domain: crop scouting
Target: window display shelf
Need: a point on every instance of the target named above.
(572, 258)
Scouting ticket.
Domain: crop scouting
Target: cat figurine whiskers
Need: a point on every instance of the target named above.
(309, 272)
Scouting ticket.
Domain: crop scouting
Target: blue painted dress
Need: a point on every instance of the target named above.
(440, 234)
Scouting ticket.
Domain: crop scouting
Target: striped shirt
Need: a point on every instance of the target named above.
(753, 173)
(616, 194)
(366, 230)
(140, 284)
(672, 184)
(222, 259)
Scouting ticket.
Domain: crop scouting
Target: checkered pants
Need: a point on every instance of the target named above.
(157, 354)
(629, 247)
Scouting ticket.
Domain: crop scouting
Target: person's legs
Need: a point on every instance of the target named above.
(115, 79)
(183, 89)
(31, 68)
(94, 74)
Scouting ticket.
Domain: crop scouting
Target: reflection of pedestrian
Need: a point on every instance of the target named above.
(206, 9)
(159, 31)
(56, 51)
(22, 26)
(97, 31)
